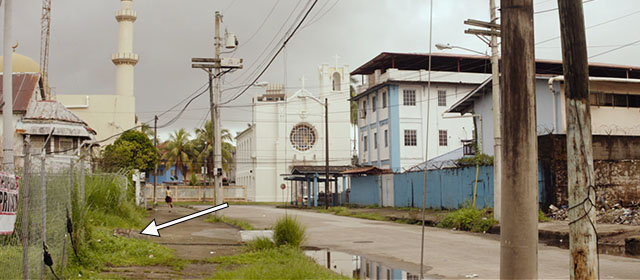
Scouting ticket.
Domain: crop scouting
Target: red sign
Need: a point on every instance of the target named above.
(283, 186)
(9, 192)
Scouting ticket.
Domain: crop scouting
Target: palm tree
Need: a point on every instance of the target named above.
(147, 130)
(178, 150)
(204, 148)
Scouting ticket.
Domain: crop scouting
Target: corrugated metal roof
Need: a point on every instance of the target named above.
(480, 64)
(370, 170)
(51, 110)
(320, 169)
(24, 85)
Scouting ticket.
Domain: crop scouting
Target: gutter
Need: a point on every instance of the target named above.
(591, 79)
(85, 106)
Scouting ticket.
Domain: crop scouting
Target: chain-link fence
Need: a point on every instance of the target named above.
(51, 192)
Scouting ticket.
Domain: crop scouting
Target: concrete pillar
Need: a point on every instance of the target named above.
(315, 190)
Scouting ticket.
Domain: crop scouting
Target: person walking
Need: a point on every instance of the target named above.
(168, 198)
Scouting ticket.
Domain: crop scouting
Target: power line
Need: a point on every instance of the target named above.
(592, 26)
(260, 26)
(553, 9)
(615, 49)
(276, 55)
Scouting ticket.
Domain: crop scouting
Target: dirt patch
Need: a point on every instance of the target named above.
(194, 241)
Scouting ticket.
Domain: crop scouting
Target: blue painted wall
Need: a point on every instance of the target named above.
(165, 175)
(365, 190)
(446, 188)
(394, 127)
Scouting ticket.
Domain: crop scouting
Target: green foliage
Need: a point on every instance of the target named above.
(542, 218)
(479, 159)
(235, 222)
(260, 243)
(344, 211)
(105, 248)
(193, 181)
(109, 202)
(132, 150)
(275, 263)
(288, 231)
(469, 218)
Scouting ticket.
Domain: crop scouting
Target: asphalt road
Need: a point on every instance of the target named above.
(450, 254)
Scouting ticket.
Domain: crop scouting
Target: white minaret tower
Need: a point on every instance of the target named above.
(125, 59)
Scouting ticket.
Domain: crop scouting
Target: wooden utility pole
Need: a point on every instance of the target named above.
(215, 121)
(519, 213)
(155, 145)
(580, 176)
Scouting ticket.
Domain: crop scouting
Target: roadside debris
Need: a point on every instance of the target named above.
(607, 214)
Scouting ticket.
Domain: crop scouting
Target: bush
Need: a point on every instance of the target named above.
(288, 231)
(479, 159)
(193, 181)
(469, 218)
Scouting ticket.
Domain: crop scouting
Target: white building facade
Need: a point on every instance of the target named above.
(289, 129)
(396, 106)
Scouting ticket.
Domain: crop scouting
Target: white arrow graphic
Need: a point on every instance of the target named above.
(152, 228)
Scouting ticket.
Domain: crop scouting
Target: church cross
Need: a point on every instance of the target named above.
(303, 79)
(336, 57)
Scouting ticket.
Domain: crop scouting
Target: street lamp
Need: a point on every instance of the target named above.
(326, 147)
(449, 47)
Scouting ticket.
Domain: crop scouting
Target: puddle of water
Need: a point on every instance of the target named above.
(357, 267)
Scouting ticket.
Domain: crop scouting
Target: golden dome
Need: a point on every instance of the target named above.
(21, 64)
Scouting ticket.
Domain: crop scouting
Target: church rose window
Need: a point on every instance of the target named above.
(303, 137)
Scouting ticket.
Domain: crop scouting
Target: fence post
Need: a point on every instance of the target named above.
(43, 189)
(25, 208)
(81, 191)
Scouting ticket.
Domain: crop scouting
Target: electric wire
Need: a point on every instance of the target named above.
(554, 9)
(274, 56)
(260, 26)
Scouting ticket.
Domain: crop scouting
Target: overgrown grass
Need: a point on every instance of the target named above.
(542, 218)
(223, 219)
(344, 211)
(109, 205)
(288, 231)
(469, 218)
(283, 262)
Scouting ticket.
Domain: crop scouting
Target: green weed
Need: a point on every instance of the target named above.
(542, 218)
(469, 218)
(288, 231)
(260, 243)
(275, 263)
(223, 219)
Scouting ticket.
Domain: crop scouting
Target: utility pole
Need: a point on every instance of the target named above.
(217, 148)
(155, 170)
(580, 174)
(519, 213)
(326, 153)
(497, 118)
(7, 89)
(493, 30)
(213, 67)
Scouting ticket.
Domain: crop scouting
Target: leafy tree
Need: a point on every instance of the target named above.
(179, 151)
(132, 150)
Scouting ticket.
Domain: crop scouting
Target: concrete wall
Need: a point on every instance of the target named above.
(616, 167)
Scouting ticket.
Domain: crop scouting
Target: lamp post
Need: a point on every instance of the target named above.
(497, 120)
(326, 148)
(449, 47)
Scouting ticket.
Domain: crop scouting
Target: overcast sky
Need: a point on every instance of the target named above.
(169, 33)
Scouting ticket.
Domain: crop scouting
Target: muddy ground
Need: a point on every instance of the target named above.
(194, 241)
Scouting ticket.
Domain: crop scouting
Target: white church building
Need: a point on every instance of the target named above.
(288, 129)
